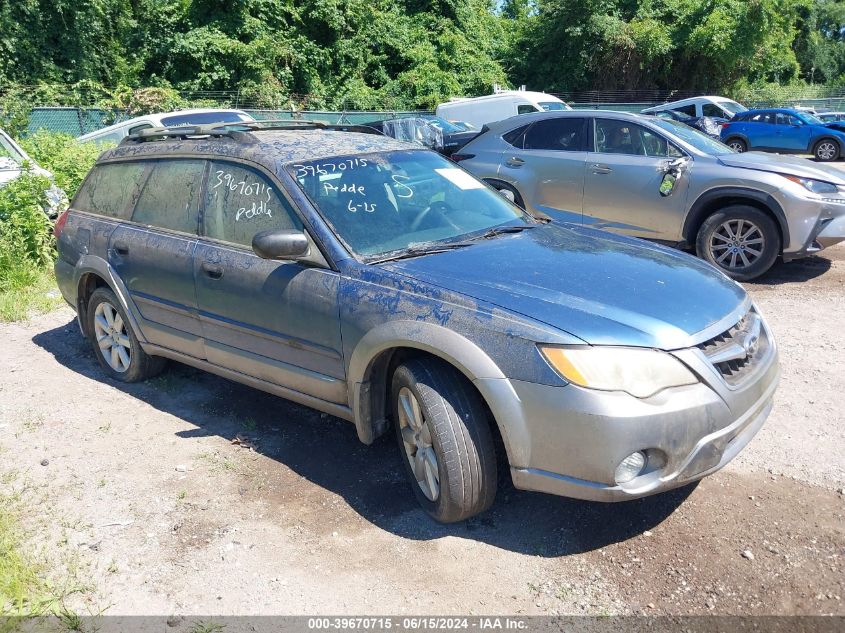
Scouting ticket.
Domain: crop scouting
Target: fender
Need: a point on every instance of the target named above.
(438, 341)
(101, 268)
(695, 216)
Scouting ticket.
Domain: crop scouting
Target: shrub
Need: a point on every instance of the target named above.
(59, 153)
(26, 233)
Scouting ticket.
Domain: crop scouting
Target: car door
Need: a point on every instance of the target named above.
(547, 166)
(153, 254)
(623, 178)
(791, 133)
(274, 320)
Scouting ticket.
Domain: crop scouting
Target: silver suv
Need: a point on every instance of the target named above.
(662, 180)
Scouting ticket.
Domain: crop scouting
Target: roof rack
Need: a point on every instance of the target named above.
(231, 129)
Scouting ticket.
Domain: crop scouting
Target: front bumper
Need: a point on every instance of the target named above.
(813, 226)
(569, 440)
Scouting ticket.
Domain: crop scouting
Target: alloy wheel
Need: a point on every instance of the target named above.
(737, 244)
(416, 439)
(737, 146)
(112, 337)
(826, 150)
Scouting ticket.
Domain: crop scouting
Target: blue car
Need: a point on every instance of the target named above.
(381, 283)
(783, 131)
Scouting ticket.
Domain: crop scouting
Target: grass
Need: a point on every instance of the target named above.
(23, 591)
(26, 292)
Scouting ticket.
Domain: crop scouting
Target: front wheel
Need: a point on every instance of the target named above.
(444, 440)
(740, 240)
(826, 150)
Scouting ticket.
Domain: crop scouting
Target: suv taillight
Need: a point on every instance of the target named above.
(459, 157)
(60, 223)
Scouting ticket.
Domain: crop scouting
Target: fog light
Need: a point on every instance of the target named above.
(630, 467)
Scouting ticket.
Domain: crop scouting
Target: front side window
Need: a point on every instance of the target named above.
(563, 134)
(240, 202)
(622, 137)
(550, 106)
(391, 201)
(111, 189)
(711, 109)
(170, 198)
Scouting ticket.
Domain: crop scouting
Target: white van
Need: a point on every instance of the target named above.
(479, 111)
(721, 107)
(205, 116)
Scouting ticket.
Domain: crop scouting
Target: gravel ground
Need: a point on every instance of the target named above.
(151, 500)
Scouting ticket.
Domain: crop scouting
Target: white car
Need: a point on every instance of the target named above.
(720, 107)
(479, 111)
(206, 116)
(12, 162)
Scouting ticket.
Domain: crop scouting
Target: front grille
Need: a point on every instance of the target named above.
(735, 352)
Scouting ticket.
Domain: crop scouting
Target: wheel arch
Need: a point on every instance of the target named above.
(827, 137)
(92, 273)
(383, 349)
(715, 199)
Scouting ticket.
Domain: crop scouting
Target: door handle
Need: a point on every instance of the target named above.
(599, 168)
(121, 248)
(215, 272)
(514, 161)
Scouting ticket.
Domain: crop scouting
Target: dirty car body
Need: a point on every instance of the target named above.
(410, 260)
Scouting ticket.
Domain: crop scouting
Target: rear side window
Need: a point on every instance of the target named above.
(170, 198)
(526, 109)
(564, 134)
(111, 189)
(516, 137)
(241, 202)
(689, 110)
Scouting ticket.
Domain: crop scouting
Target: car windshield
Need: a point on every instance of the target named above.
(442, 124)
(552, 105)
(810, 119)
(384, 203)
(732, 106)
(691, 136)
(10, 157)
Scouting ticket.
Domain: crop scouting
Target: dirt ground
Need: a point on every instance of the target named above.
(146, 506)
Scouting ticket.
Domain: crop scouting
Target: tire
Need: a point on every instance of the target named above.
(826, 150)
(749, 256)
(128, 363)
(450, 425)
(498, 185)
(737, 144)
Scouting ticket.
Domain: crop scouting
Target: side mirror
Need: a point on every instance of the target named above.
(280, 244)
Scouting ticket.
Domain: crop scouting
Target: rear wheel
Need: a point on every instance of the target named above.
(740, 240)
(115, 344)
(444, 440)
(826, 150)
(498, 185)
(737, 145)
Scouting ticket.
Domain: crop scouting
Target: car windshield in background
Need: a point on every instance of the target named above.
(10, 158)
(384, 203)
(548, 106)
(442, 124)
(691, 136)
(733, 107)
(810, 119)
(201, 118)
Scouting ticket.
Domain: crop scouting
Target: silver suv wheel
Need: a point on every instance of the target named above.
(112, 337)
(416, 439)
(737, 244)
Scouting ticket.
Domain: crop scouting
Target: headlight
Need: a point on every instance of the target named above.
(815, 186)
(639, 372)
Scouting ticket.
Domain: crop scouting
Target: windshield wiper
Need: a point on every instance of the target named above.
(501, 230)
(418, 251)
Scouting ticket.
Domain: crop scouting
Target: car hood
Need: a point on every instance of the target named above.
(778, 163)
(601, 288)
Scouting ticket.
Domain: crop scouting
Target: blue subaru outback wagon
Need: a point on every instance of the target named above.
(381, 283)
